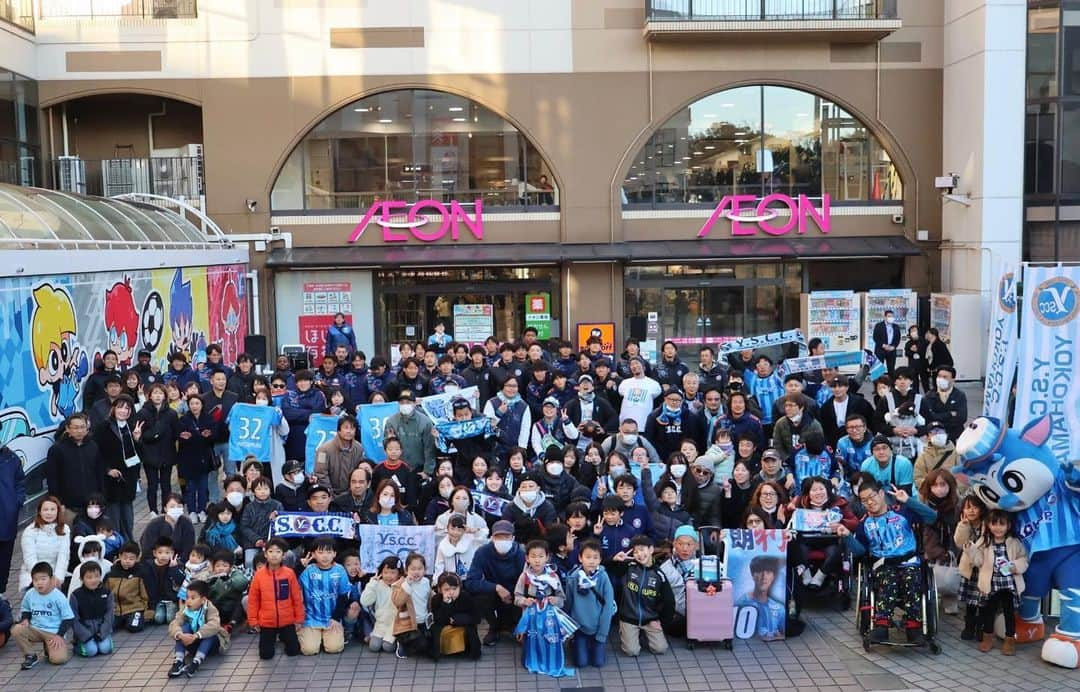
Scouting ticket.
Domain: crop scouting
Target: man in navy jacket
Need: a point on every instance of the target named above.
(492, 576)
(12, 496)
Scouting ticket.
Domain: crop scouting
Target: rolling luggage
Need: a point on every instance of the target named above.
(710, 598)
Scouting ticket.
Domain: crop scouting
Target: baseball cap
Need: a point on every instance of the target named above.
(936, 425)
(771, 454)
(291, 466)
(880, 440)
(582, 378)
(551, 401)
(407, 395)
(502, 527)
(460, 403)
(839, 382)
(319, 488)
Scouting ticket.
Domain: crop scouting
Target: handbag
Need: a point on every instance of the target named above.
(452, 640)
(947, 577)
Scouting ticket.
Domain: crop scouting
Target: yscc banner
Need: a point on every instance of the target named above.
(380, 542)
(1047, 384)
(309, 524)
(749, 343)
(1001, 352)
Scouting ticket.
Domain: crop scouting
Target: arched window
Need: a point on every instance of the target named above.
(410, 145)
(759, 140)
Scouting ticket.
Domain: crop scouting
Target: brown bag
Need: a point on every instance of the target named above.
(451, 640)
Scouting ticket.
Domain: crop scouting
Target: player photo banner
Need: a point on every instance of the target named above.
(757, 568)
(750, 343)
(1001, 352)
(312, 524)
(1049, 335)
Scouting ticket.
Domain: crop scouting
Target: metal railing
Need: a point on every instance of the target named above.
(176, 177)
(126, 9)
(519, 200)
(18, 12)
(763, 10)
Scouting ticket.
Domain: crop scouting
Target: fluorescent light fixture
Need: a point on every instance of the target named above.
(386, 120)
(456, 109)
(686, 158)
(362, 110)
(459, 120)
(709, 147)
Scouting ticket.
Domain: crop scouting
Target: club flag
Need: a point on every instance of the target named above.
(1001, 352)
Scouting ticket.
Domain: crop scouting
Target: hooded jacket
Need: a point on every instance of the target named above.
(94, 613)
(128, 587)
(210, 625)
(255, 520)
(44, 545)
(80, 543)
(182, 533)
(489, 569)
(526, 517)
(274, 598)
(666, 520)
(74, 471)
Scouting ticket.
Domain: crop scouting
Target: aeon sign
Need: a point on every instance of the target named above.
(400, 219)
(747, 220)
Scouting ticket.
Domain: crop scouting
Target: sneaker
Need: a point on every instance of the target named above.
(178, 669)
(879, 635)
(153, 514)
(818, 579)
(399, 651)
(491, 638)
(194, 517)
(193, 667)
(202, 517)
(915, 636)
(806, 575)
(29, 662)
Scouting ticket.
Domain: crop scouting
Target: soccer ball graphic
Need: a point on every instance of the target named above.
(152, 322)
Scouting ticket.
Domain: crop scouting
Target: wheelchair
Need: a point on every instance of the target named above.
(928, 604)
(837, 587)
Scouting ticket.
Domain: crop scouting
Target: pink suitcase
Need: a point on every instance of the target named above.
(710, 601)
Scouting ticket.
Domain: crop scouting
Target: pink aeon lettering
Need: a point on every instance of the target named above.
(801, 212)
(419, 224)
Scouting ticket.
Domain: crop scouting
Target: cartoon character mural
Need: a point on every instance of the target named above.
(185, 338)
(51, 325)
(1018, 472)
(60, 362)
(121, 321)
(228, 313)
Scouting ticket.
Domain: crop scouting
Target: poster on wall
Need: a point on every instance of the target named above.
(941, 315)
(320, 302)
(54, 328)
(473, 323)
(902, 301)
(538, 314)
(605, 331)
(757, 568)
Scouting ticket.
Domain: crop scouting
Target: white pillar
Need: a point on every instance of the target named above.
(983, 140)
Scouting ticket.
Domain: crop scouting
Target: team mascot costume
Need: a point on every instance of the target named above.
(1016, 471)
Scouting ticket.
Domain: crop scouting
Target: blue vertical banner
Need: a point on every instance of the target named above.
(1001, 351)
(1049, 338)
(321, 427)
(372, 419)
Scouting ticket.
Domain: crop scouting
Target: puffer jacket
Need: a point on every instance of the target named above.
(157, 446)
(558, 489)
(274, 598)
(129, 589)
(44, 545)
(255, 521)
(666, 520)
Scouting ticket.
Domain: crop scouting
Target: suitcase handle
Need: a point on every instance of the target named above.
(721, 557)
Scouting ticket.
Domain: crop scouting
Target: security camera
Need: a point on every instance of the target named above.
(275, 230)
(948, 183)
(898, 219)
(251, 204)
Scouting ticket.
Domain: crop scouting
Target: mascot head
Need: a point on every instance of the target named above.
(1006, 469)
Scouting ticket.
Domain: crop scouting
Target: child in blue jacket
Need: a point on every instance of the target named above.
(590, 601)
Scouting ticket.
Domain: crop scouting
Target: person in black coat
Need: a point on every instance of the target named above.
(73, 467)
(834, 412)
(194, 458)
(937, 354)
(161, 426)
(452, 606)
(915, 351)
(118, 442)
(946, 404)
(886, 340)
(588, 406)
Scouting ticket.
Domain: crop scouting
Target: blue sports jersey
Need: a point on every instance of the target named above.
(904, 471)
(46, 611)
(1052, 522)
(766, 390)
(322, 588)
(251, 431)
(851, 455)
(321, 427)
(889, 535)
(771, 615)
(806, 466)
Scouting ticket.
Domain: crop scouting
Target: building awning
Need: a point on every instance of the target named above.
(460, 254)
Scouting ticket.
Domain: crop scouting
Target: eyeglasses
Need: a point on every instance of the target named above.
(768, 493)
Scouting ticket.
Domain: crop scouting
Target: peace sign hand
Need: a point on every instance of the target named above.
(137, 432)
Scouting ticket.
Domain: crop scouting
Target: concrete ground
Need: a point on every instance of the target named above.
(827, 656)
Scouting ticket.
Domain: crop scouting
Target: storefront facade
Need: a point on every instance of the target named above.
(603, 172)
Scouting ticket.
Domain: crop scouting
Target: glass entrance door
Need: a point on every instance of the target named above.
(692, 316)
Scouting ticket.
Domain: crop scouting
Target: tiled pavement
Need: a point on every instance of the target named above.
(827, 656)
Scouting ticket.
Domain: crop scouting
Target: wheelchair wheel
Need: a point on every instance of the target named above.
(863, 605)
(931, 605)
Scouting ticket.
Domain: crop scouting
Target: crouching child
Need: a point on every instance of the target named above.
(454, 620)
(197, 631)
(45, 617)
(93, 606)
(645, 603)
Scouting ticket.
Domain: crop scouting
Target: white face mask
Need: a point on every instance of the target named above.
(407, 409)
(529, 496)
(446, 492)
(461, 506)
(386, 502)
(503, 547)
(451, 389)
(93, 512)
(796, 419)
(555, 468)
(677, 470)
(630, 439)
(942, 383)
(297, 477)
(616, 471)
(235, 498)
(889, 319)
(262, 402)
(175, 512)
(939, 440)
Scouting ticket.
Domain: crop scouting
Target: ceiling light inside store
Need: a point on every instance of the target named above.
(362, 110)
(710, 147)
(385, 120)
(456, 109)
(459, 120)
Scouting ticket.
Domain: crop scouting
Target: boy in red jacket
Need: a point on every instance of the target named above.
(275, 606)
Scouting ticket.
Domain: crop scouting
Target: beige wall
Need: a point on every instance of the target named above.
(97, 125)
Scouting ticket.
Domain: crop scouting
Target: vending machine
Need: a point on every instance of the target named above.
(961, 324)
(835, 317)
(902, 301)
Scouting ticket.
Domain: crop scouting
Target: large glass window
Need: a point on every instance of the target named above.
(761, 140)
(410, 145)
(20, 149)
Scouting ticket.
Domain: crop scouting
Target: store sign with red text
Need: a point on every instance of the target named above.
(750, 216)
(427, 221)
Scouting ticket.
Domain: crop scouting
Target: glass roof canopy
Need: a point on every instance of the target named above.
(49, 219)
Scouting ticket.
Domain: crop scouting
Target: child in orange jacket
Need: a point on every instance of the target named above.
(275, 605)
